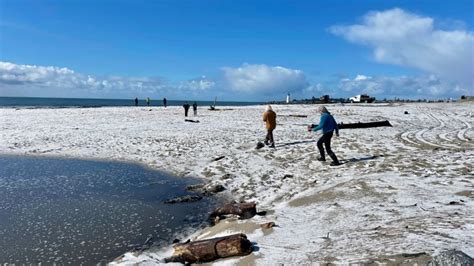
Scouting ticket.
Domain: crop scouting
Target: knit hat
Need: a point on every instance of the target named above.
(323, 109)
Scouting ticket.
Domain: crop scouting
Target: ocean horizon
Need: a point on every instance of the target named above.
(47, 102)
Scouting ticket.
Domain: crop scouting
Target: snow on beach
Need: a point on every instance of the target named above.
(402, 189)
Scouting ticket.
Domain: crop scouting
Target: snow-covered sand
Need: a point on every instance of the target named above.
(403, 189)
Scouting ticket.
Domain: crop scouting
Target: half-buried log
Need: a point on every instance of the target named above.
(385, 123)
(211, 249)
(244, 210)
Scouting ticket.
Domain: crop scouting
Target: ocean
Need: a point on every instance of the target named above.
(69, 211)
(34, 102)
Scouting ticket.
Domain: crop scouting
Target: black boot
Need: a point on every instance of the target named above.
(335, 161)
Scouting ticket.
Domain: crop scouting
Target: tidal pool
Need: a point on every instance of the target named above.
(79, 211)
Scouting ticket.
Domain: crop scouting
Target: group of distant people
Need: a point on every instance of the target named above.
(148, 101)
(327, 124)
(186, 105)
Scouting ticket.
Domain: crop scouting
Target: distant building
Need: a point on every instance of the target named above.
(467, 98)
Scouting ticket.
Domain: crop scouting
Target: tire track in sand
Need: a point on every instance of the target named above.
(419, 137)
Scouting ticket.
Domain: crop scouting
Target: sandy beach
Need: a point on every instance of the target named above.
(402, 189)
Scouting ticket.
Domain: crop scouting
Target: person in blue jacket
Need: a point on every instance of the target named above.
(328, 125)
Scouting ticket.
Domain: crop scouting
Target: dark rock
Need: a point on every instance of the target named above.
(206, 190)
(187, 198)
(196, 187)
(259, 145)
(211, 190)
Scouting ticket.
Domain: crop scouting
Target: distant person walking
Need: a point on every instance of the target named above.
(136, 101)
(328, 125)
(148, 101)
(164, 102)
(186, 109)
(269, 117)
(195, 108)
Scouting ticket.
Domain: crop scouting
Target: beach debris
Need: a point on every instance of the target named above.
(244, 210)
(268, 225)
(287, 176)
(182, 199)
(455, 203)
(406, 112)
(212, 108)
(191, 121)
(451, 257)
(206, 189)
(259, 145)
(385, 123)
(295, 115)
(326, 237)
(218, 158)
(211, 249)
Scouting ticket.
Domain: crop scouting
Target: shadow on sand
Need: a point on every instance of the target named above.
(295, 143)
(355, 160)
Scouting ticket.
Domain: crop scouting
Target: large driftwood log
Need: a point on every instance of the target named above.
(385, 123)
(365, 125)
(244, 210)
(211, 249)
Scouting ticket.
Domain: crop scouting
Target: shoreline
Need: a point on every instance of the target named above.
(162, 140)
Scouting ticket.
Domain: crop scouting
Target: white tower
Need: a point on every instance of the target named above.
(288, 98)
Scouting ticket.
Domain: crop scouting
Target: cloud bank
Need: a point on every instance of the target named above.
(30, 80)
(406, 39)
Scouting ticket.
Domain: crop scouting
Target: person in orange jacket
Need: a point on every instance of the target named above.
(269, 117)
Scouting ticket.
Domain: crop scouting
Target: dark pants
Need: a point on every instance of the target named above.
(186, 112)
(326, 140)
(269, 137)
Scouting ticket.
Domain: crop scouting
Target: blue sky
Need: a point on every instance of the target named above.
(237, 50)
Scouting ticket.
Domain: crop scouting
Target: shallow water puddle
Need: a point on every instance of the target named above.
(79, 211)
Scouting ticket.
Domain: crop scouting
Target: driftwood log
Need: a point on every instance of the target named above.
(385, 123)
(191, 121)
(211, 249)
(244, 210)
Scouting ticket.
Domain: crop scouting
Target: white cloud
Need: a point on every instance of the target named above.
(413, 87)
(55, 81)
(264, 79)
(406, 39)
